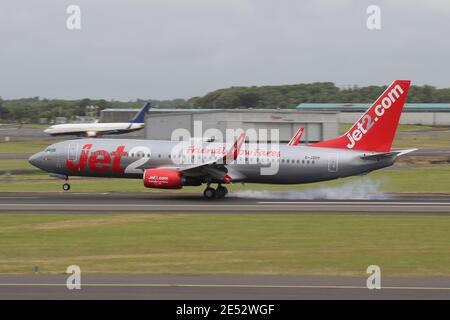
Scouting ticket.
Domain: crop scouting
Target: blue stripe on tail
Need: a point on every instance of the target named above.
(139, 117)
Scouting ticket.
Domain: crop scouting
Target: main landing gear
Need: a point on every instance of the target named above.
(66, 185)
(211, 193)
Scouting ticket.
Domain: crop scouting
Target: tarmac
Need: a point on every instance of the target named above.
(155, 202)
(219, 287)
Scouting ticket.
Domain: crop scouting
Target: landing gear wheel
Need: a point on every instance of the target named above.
(66, 187)
(209, 193)
(221, 192)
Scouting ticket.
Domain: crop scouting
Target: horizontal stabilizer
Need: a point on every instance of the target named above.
(386, 155)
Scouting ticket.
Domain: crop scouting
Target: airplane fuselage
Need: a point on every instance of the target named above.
(125, 158)
(86, 129)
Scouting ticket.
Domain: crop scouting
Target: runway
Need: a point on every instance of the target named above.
(180, 287)
(153, 202)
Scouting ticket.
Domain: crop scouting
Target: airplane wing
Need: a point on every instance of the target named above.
(215, 170)
(296, 138)
(391, 154)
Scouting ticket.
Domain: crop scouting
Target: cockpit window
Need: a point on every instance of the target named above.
(50, 150)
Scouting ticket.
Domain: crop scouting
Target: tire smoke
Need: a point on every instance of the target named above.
(361, 189)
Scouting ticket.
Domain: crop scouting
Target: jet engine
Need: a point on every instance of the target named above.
(167, 179)
(90, 134)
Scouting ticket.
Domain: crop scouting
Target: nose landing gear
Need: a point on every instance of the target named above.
(66, 185)
(211, 193)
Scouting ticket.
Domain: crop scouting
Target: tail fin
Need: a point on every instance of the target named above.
(375, 130)
(139, 117)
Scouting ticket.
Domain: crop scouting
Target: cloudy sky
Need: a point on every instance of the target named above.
(182, 48)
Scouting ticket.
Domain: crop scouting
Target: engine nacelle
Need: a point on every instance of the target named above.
(90, 134)
(163, 179)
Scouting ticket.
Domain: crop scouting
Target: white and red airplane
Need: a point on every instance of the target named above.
(365, 147)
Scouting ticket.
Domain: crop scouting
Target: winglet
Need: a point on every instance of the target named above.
(233, 153)
(296, 138)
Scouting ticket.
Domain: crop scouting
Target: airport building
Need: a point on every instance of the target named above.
(432, 114)
(160, 123)
(117, 115)
(320, 120)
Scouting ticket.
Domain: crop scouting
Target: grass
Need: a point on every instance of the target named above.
(425, 180)
(36, 126)
(437, 139)
(407, 137)
(15, 165)
(229, 244)
(226, 244)
(414, 127)
(25, 146)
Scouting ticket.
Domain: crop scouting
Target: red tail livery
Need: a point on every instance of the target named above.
(375, 130)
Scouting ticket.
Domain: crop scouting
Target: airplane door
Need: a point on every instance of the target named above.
(72, 153)
(333, 163)
(59, 161)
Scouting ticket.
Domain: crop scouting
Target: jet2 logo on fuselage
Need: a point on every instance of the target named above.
(363, 126)
(98, 161)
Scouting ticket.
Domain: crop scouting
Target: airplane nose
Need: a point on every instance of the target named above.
(35, 159)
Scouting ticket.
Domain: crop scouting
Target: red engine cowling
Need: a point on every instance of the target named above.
(163, 179)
